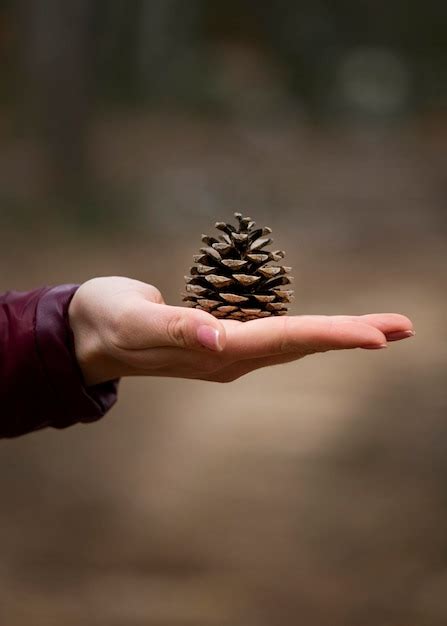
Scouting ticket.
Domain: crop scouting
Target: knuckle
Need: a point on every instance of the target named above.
(176, 331)
(154, 294)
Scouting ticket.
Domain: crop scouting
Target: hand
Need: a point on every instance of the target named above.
(122, 327)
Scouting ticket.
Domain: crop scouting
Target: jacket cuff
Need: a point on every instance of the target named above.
(75, 402)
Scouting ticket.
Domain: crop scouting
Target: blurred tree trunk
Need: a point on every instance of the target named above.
(156, 21)
(166, 35)
(56, 61)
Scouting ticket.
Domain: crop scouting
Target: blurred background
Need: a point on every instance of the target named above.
(310, 493)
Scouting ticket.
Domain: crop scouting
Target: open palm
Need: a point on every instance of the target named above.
(122, 327)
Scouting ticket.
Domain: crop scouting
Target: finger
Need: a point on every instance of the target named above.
(303, 334)
(398, 335)
(393, 325)
(151, 325)
(388, 323)
(245, 366)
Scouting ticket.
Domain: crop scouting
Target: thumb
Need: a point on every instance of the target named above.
(180, 327)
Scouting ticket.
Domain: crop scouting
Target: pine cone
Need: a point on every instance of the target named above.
(232, 277)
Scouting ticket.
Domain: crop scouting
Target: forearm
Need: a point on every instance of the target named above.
(40, 380)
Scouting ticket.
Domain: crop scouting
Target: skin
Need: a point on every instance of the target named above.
(122, 327)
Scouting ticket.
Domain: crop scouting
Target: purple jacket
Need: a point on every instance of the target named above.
(40, 380)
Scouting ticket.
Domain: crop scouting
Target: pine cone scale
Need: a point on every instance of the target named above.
(233, 276)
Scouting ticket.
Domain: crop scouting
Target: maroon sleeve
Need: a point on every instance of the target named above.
(40, 380)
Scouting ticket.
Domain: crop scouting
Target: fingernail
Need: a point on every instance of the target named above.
(209, 337)
(376, 347)
(400, 334)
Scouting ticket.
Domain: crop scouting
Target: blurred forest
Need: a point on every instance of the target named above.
(313, 492)
(67, 65)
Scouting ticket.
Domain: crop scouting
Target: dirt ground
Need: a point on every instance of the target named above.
(310, 493)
